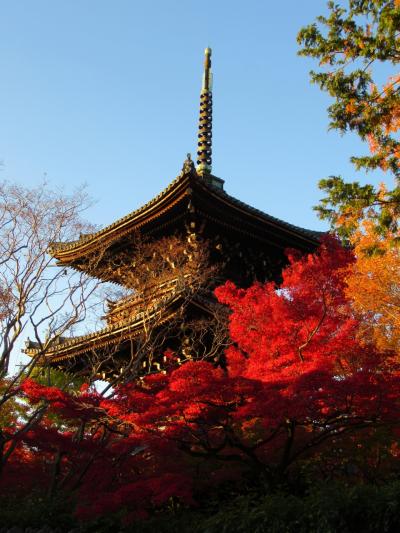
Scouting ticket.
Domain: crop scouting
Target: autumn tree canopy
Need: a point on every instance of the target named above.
(356, 45)
(37, 298)
(299, 387)
(358, 48)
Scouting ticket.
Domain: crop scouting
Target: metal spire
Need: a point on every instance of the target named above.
(204, 145)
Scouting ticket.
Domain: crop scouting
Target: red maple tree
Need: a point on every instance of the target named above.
(299, 383)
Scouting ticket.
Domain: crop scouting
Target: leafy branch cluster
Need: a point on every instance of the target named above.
(355, 45)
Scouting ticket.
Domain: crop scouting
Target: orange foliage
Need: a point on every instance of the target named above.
(374, 284)
(389, 123)
(351, 107)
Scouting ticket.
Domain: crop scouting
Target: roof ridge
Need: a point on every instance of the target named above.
(267, 215)
(189, 174)
(58, 246)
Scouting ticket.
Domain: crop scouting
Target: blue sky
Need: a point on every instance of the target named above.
(107, 93)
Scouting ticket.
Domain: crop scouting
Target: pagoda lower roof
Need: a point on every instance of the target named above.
(188, 188)
(64, 348)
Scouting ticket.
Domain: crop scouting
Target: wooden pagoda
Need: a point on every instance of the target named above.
(246, 243)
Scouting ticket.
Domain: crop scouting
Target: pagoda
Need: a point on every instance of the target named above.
(243, 243)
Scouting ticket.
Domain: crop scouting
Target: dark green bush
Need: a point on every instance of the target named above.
(326, 508)
(36, 511)
(329, 508)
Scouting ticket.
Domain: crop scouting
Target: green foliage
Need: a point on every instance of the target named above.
(36, 511)
(11, 409)
(347, 203)
(326, 509)
(50, 377)
(351, 44)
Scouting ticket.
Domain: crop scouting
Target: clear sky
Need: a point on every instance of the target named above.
(106, 92)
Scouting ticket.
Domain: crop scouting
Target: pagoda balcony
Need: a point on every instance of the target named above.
(124, 309)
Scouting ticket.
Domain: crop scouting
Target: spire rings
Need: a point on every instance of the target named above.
(204, 136)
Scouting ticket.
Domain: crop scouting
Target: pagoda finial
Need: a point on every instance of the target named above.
(188, 166)
(204, 143)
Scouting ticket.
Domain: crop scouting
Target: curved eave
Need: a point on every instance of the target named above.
(106, 337)
(241, 211)
(113, 335)
(177, 190)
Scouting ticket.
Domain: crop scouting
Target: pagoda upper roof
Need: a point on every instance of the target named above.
(67, 251)
(189, 189)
